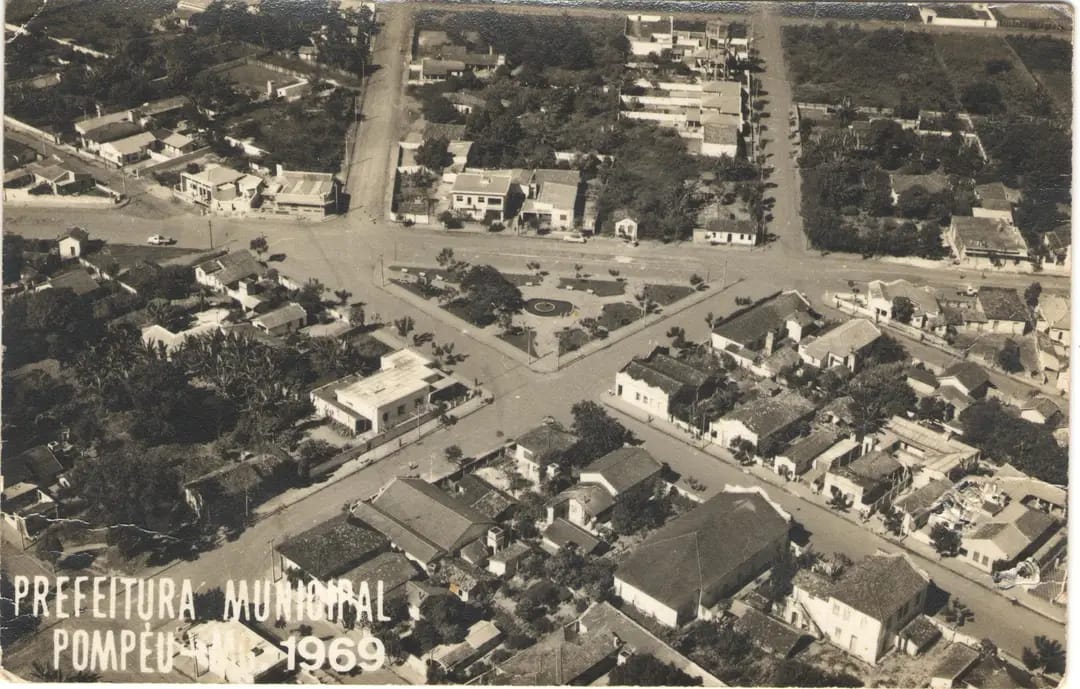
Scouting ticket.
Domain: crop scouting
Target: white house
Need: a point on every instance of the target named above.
(403, 389)
(235, 653)
(479, 195)
(73, 242)
(845, 345)
(658, 381)
(863, 611)
(761, 419)
(536, 450)
(290, 318)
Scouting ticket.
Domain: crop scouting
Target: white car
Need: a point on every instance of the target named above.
(575, 238)
(160, 240)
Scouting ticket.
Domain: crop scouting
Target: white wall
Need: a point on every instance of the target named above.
(646, 603)
(638, 393)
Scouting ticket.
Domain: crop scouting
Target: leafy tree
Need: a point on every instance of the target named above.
(598, 433)
(13, 626)
(945, 541)
(982, 98)
(1008, 357)
(259, 245)
(404, 325)
(137, 494)
(450, 617)
(453, 454)
(643, 670)
(342, 295)
(488, 293)
(1047, 655)
(792, 672)
(310, 296)
(642, 509)
(1003, 437)
(958, 614)
(434, 154)
(877, 393)
(892, 518)
(1031, 294)
(931, 408)
(902, 309)
(209, 605)
(839, 501)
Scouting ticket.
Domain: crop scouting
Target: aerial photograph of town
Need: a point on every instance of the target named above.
(553, 342)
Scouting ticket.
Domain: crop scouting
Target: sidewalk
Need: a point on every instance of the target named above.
(803, 492)
(360, 462)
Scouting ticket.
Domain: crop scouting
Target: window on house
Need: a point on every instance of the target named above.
(637, 396)
(460, 198)
(400, 409)
(494, 201)
(386, 416)
(985, 560)
(835, 608)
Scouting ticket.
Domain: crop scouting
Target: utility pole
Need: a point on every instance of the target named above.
(723, 278)
(210, 229)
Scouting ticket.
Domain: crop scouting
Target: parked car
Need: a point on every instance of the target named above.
(576, 238)
(160, 240)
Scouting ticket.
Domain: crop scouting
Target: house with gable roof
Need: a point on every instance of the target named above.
(845, 345)
(422, 520)
(661, 384)
(984, 242)
(536, 449)
(604, 482)
(683, 568)
(864, 610)
(754, 334)
(763, 419)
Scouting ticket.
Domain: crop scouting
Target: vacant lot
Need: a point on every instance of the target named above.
(977, 61)
(252, 78)
(1050, 61)
(882, 68)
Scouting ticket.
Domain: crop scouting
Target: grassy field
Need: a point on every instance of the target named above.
(882, 68)
(978, 57)
(1050, 61)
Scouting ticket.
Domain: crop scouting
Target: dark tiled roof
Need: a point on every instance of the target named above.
(878, 585)
(78, 281)
(1002, 304)
(970, 375)
(956, 660)
(558, 659)
(562, 532)
(37, 465)
(665, 372)
(546, 439)
(989, 672)
(625, 468)
(869, 470)
(767, 415)
(923, 376)
(233, 267)
(771, 635)
(924, 498)
(1034, 524)
(751, 326)
(332, 547)
(594, 499)
(690, 555)
(921, 631)
(431, 513)
(394, 570)
(803, 452)
(483, 497)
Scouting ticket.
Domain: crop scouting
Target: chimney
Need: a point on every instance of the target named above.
(869, 443)
(269, 88)
(97, 106)
(770, 342)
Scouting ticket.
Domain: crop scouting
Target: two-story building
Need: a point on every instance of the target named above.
(864, 610)
(537, 451)
(603, 484)
(480, 195)
(846, 345)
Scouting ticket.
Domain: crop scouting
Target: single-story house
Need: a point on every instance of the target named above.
(761, 419)
(288, 319)
(757, 331)
(799, 457)
(662, 385)
(1013, 534)
(867, 481)
(845, 345)
(916, 506)
(1004, 309)
(983, 242)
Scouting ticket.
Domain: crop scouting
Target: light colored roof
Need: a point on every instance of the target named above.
(561, 532)
(301, 187)
(1055, 310)
(131, 144)
(176, 140)
(560, 196)
(1014, 529)
(847, 338)
(546, 439)
(402, 373)
(988, 234)
(804, 451)
(482, 183)
(246, 648)
(721, 133)
(286, 314)
(92, 123)
(924, 298)
(216, 175)
(934, 183)
(967, 373)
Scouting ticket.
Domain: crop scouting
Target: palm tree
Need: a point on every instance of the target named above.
(710, 319)
(41, 672)
(958, 614)
(846, 111)
(1048, 655)
(357, 314)
(342, 295)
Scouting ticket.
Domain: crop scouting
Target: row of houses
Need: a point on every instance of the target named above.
(436, 57)
(710, 115)
(221, 189)
(130, 136)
